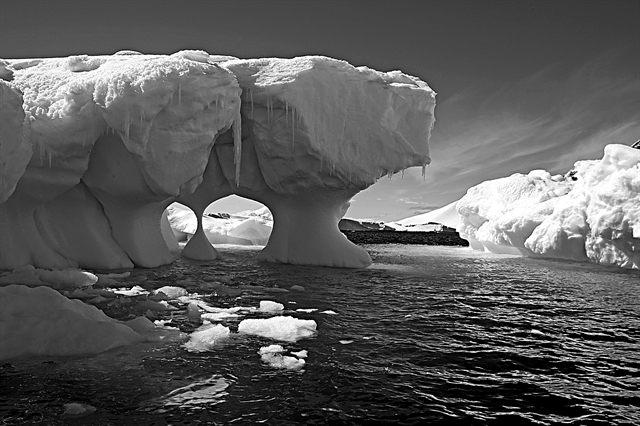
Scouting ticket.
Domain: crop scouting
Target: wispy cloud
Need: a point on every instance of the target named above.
(547, 121)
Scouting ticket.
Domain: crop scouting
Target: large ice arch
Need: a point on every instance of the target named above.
(94, 148)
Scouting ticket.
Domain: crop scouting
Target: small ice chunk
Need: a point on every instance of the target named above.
(284, 362)
(75, 409)
(300, 354)
(297, 288)
(78, 294)
(271, 349)
(172, 292)
(193, 313)
(104, 281)
(115, 275)
(259, 288)
(272, 355)
(206, 337)
(218, 316)
(136, 290)
(141, 325)
(154, 306)
(96, 300)
(270, 306)
(306, 310)
(328, 312)
(70, 276)
(282, 328)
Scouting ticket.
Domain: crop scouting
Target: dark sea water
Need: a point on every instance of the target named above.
(427, 335)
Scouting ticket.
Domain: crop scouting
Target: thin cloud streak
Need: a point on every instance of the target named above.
(541, 122)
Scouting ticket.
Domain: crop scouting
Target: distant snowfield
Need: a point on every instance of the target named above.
(252, 227)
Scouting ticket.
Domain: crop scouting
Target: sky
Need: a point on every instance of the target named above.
(521, 85)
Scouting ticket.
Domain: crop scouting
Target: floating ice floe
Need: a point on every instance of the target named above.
(284, 328)
(172, 292)
(270, 306)
(41, 321)
(69, 277)
(76, 409)
(272, 355)
(206, 337)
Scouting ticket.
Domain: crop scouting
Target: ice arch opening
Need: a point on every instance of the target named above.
(250, 226)
(305, 217)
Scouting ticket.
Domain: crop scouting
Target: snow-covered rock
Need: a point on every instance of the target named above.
(592, 213)
(94, 148)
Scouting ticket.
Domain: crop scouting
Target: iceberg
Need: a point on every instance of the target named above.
(590, 214)
(95, 148)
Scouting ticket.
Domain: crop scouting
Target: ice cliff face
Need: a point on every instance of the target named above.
(95, 148)
(591, 214)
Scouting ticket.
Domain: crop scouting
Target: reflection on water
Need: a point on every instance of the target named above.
(426, 335)
(200, 394)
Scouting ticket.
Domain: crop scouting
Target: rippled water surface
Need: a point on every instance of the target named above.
(427, 335)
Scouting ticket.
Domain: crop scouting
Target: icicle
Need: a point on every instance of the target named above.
(402, 174)
(293, 126)
(251, 96)
(237, 144)
(424, 172)
(389, 174)
(127, 124)
(269, 108)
